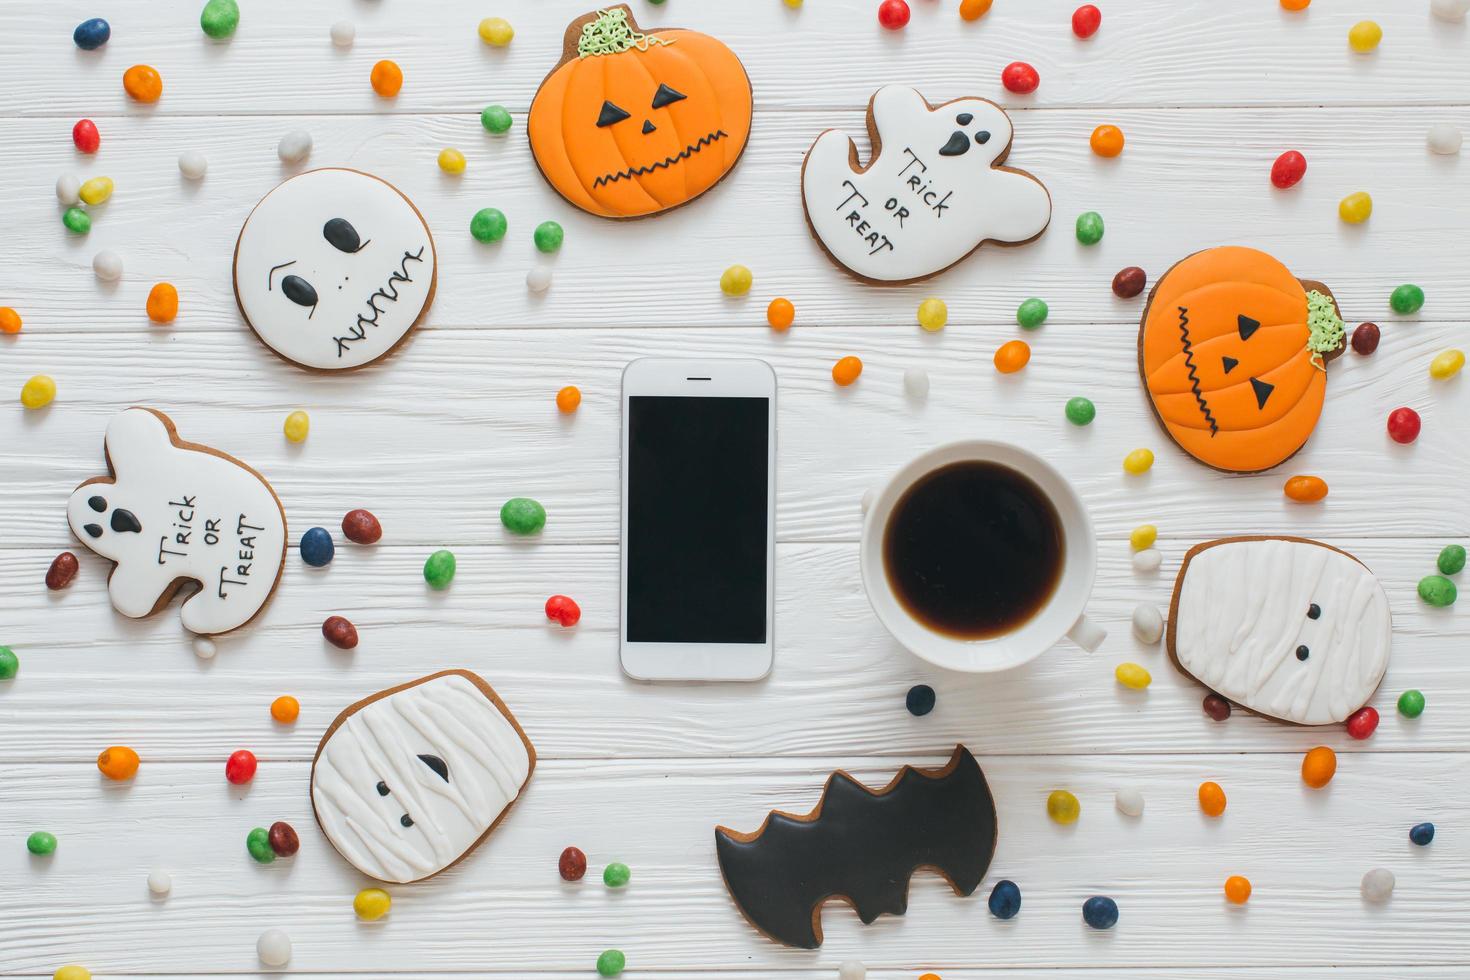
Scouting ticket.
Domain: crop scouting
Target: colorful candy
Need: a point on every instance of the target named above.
(219, 18)
(163, 302)
(41, 843)
(1020, 78)
(1086, 19)
(1012, 356)
(143, 83)
(1211, 799)
(548, 237)
(522, 515)
(736, 280)
(68, 191)
(1147, 560)
(1364, 36)
(95, 191)
(1089, 228)
(72, 972)
(1444, 139)
(38, 392)
(371, 904)
(1148, 623)
(538, 278)
(294, 147)
(933, 314)
(361, 527)
(1237, 890)
(205, 648)
(9, 320)
(1319, 765)
(339, 631)
(451, 161)
(1142, 536)
(1411, 703)
(107, 266)
(488, 225)
(317, 547)
(1129, 282)
(344, 32)
(612, 962)
(496, 31)
(920, 700)
(63, 569)
(9, 664)
(439, 567)
(893, 14)
(1295, 4)
(1446, 364)
(1106, 141)
(1138, 461)
(1100, 912)
(1355, 208)
(1437, 590)
(285, 709)
(258, 844)
(1032, 313)
(572, 864)
(1407, 298)
(273, 948)
(91, 34)
(916, 383)
(160, 882)
(1305, 489)
(283, 839)
(296, 427)
(118, 763)
(616, 875)
(84, 134)
(1133, 676)
(240, 767)
(1452, 11)
(386, 78)
(1080, 411)
(1288, 169)
(1063, 807)
(1377, 885)
(781, 313)
(1129, 801)
(568, 398)
(846, 370)
(496, 119)
(1451, 560)
(1421, 834)
(1362, 723)
(76, 220)
(564, 610)
(1365, 338)
(1005, 899)
(973, 10)
(1403, 425)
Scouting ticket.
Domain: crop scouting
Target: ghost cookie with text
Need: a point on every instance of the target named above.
(334, 268)
(410, 780)
(173, 514)
(630, 124)
(934, 191)
(1233, 351)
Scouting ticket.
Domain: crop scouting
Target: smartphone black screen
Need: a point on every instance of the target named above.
(696, 541)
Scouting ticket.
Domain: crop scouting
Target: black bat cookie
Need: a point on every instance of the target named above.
(862, 846)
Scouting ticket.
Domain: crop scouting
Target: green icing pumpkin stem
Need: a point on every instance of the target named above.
(1325, 328)
(610, 34)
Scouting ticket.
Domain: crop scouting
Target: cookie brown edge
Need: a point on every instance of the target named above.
(1307, 284)
(172, 589)
(412, 327)
(352, 709)
(569, 52)
(930, 772)
(1169, 634)
(877, 148)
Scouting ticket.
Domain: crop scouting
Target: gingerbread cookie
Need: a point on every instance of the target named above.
(1233, 352)
(333, 269)
(630, 124)
(409, 781)
(862, 846)
(1286, 627)
(933, 192)
(172, 513)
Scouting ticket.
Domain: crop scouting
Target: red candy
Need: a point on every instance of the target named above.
(361, 527)
(339, 632)
(63, 569)
(563, 609)
(1216, 707)
(572, 865)
(240, 767)
(1365, 338)
(1288, 169)
(1129, 282)
(1085, 20)
(1020, 78)
(283, 840)
(1403, 425)
(1362, 723)
(84, 134)
(893, 14)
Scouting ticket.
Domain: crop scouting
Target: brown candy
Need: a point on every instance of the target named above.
(1216, 707)
(1129, 282)
(339, 632)
(361, 527)
(63, 569)
(1365, 338)
(572, 864)
(283, 839)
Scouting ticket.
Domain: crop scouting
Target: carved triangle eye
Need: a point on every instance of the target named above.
(1246, 326)
(1229, 363)
(1262, 390)
(611, 114)
(667, 96)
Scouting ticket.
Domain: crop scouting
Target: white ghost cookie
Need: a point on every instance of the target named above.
(409, 781)
(333, 269)
(173, 513)
(1286, 627)
(933, 192)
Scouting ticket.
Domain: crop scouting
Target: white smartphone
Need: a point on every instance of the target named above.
(699, 519)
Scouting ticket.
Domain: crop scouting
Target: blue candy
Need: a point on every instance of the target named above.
(1421, 833)
(92, 34)
(1005, 899)
(920, 700)
(1100, 912)
(316, 547)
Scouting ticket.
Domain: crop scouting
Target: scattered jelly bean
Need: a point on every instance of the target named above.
(933, 314)
(63, 569)
(1148, 623)
(9, 664)
(568, 398)
(1100, 912)
(296, 427)
(163, 302)
(1138, 461)
(219, 18)
(1363, 723)
(781, 313)
(852, 969)
(294, 147)
(1355, 208)
(1085, 21)
(548, 236)
(1288, 169)
(1080, 411)
(1403, 425)
(1444, 139)
(1211, 799)
(1295, 4)
(1407, 298)
(1437, 590)
(616, 875)
(572, 864)
(95, 191)
(340, 632)
(612, 962)
(118, 763)
(1411, 703)
(1364, 36)
(1319, 765)
(1106, 140)
(1446, 364)
(1129, 801)
(439, 567)
(285, 709)
(371, 904)
(1216, 707)
(1451, 11)
(846, 370)
(920, 700)
(1147, 560)
(893, 14)
(522, 515)
(1005, 899)
(205, 648)
(317, 548)
(1020, 78)
(1237, 890)
(386, 78)
(72, 972)
(283, 840)
(973, 10)
(41, 843)
(258, 843)
(160, 882)
(69, 191)
(564, 610)
(38, 392)
(91, 34)
(273, 948)
(1451, 559)
(1378, 885)
(488, 225)
(736, 280)
(1365, 338)
(1012, 356)
(496, 31)
(1031, 313)
(76, 220)
(1305, 489)
(451, 161)
(143, 83)
(793, 4)
(84, 134)
(1133, 676)
(1129, 282)
(344, 32)
(496, 119)
(1089, 228)
(107, 266)
(1421, 834)
(240, 767)
(9, 320)
(361, 527)
(1143, 536)
(1063, 807)
(916, 383)
(538, 278)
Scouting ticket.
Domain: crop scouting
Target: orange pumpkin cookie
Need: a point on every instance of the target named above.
(631, 124)
(1233, 350)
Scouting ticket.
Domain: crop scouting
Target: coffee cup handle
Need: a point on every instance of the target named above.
(1087, 634)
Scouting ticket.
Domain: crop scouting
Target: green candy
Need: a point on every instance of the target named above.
(1407, 298)
(1080, 411)
(77, 220)
(548, 236)
(488, 225)
(495, 119)
(439, 569)
(1089, 228)
(41, 843)
(1437, 590)
(611, 963)
(1032, 313)
(1411, 703)
(220, 18)
(616, 875)
(1451, 561)
(9, 663)
(258, 843)
(522, 515)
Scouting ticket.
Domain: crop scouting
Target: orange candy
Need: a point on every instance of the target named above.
(1319, 766)
(846, 371)
(143, 83)
(1107, 141)
(780, 313)
(1237, 889)
(387, 78)
(285, 709)
(9, 320)
(1211, 799)
(118, 762)
(1012, 356)
(974, 9)
(163, 303)
(569, 398)
(1295, 4)
(1306, 489)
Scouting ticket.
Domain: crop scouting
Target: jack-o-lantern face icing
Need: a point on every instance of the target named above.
(630, 124)
(1233, 350)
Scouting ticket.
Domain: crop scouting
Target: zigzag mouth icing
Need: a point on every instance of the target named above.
(1204, 406)
(664, 164)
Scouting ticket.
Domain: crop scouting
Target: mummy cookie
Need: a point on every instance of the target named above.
(1286, 627)
(933, 192)
(630, 124)
(333, 269)
(1233, 353)
(409, 781)
(173, 514)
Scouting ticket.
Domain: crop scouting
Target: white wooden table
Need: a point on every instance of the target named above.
(435, 438)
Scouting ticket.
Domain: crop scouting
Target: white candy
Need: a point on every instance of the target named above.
(1377, 885)
(1148, 624)
(193, 165)
(1147, 560)
(344, 32)
(538, 280)
(68, 190)
(1129, 801)
(273, 947)
(204, 648)
(1450, 10)
(107, 265)
(1444, 138)
(160, 882)
(294, 147)
(852, 970)
(916, 383)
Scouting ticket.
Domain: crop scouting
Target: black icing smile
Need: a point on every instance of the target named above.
(665, 163)
(123, 521)
(959, 142)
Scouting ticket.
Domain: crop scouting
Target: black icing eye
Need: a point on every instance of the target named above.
(982, 137)
(382, 788)
(1263, 391)
(437, 764)
(340, 234)
(299, 291)
(93, 530)
(1314, 611)
(406, 820)
(123, 520)
(611, 114)
(964, 119)
(667, 96)
(1302, 653)
(99, 504)
(1246, 326)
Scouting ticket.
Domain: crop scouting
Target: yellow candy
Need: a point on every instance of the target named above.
(1134, 676)
(1364, 36)
(496, 31)
(72, 973)
(1063, 807)
(1355, 208)
(371, 904)
(736, 280)
(793, 3)
(298, 423)
(1138, 461)
(933, 314)
(96, 190)
(1447, 364)
(451, 161)
(38, 391)
(1143, 536)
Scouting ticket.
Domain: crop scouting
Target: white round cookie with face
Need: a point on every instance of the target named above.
(333, 268)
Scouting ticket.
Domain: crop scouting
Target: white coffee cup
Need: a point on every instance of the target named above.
(1061, 616)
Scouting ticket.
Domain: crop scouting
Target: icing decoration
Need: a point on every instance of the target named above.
(1233, 351)
(1286, 627)
(861, 845)
(172, 513)
(333, 268)
(933, 192)
(630, 124)
(409, 781)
